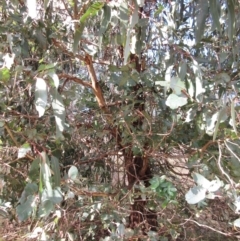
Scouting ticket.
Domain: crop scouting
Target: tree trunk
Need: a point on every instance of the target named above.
(138, 168)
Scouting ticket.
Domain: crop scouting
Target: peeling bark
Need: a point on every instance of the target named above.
(95, 86)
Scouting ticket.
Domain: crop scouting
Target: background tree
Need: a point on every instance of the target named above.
(119, 119)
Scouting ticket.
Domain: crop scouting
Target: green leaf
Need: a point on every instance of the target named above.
(34, 169)
(77, 37)
(233, 117)
(155, 182)
(31, 188)
(182, 69)
(231, 19)
(45, 208)
(201, 180)
(159, 10)
(124, 78)
(120, 229)
(215, 9)
(73, 173)
(41, 96)
(54, 77)
(4, 75)
(54, 195)
(162, 83)
(124, 12)
(2, 123)
(237, 204)
(3, 213)
(223, 56)
(215, 185)
(195, 195)
(168, 74)
(236, 223)
(91, 11)
(23, 150)
(174, 101)
(25, 209)
(46, 172)
(43, 67)
(199, 90)
(59, 113)
(222, 116)
(201, 15)
(56, 171)
(41, 38)
(143, 22)
(190, 87)
(222, 78)
(127, 48)
(135, 17)
(106, 19)
(25, 50)
(177, 85)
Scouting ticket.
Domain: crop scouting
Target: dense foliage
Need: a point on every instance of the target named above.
(119, 120)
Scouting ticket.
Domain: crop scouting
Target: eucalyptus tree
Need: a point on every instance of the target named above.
(109, 108)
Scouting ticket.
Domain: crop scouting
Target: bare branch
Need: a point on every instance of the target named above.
(75, 10)
(221, 168)
(66, 8)
(95, 86)
(208, 227)
(75, 79)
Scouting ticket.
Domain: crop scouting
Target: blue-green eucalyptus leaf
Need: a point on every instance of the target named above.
(25, 209)
(231, 19)
(215, 10)
(201, 16)
(59, 113)
(233, 117)
(73, 173)
(41, 96)
(45, 208)
(77, 37)
(106, 19)
(56, 171)
(195, 195)
(174, 101)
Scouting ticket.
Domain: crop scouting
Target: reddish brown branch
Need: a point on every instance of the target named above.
(75, 79)
(95, 86)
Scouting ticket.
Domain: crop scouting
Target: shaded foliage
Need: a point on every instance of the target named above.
(119, 119)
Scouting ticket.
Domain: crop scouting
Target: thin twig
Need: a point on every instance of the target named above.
(14, 140)
(208, 227)
(231, 150)
(221, 168)
(66, 8)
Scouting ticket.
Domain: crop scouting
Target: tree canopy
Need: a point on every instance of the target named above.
(119, 120)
